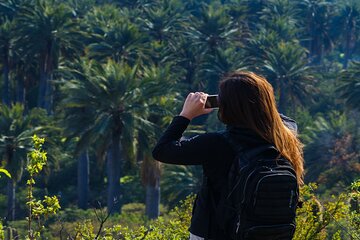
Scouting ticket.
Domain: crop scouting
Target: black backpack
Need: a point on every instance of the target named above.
(261, 198)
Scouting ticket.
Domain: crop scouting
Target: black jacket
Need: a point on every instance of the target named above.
(214, 153)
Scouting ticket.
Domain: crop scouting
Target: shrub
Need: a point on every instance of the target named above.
(331, 220)
(38, 209)
(2, 235)
(335, 219)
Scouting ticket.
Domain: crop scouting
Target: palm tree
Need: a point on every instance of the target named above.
(151, 169)
(80, 7)
(275, 51)
(331, 151)
(12, 59)
(213, 67)
(212, 29)
(9, 9)
(162, 22)
(83, 166)
(195, 7)
(75, 122)
(15, 141)
(349, 89)
(316, 18)
(83, 179)
(134, 4)
(187, 58)
(120, 42)
(254, 8)
(258, 43)
(239, 11)
(100, 18)
(349, 18)
(23, 70)
(180, 181)
(280, 16)
(116, 99)
(5, 53)
(278, 22)
(48, 31)
(285, 65)
(150, 172)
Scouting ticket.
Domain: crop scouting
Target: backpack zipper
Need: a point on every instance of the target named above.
(245, 186)
(291, 198)
(247, 179)
(233, 188)
(238, 224)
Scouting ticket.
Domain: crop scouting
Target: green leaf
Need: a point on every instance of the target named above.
(5, 172)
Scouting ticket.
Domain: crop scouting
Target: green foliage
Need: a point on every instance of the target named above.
(38, 209)
(37, 158)
(212, 29)
(333, 219)
(117, 64)
(330, 151)
(175, 226)
(84, 230)
(15, 139)
(2, 234)
(179, 182)
(121, 42)
(350, 87)
(112, 99)
(5, 172)
(47, 29)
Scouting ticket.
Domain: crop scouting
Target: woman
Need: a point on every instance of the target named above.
(247, 107)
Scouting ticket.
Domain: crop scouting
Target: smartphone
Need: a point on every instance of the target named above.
(212, 101)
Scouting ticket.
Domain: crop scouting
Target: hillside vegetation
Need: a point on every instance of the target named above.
(100, 80)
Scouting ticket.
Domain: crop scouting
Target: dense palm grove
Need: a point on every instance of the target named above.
(100, 80)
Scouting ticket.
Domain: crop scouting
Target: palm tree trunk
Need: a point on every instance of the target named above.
(150, 176)
(6, 87)
(11, 186)
(42, 88)
(348, 49)
(48, 94)
(282, 106)
(114, 170)
(20, 89)
(152, 200)
(45, 86)
(314, 50)
(282, 103)
(346, 58)
(315, 43)
(83, 180)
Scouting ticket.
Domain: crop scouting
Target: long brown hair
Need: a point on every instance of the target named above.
(247, 100)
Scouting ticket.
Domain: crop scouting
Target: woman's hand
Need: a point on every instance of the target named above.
(195, 105)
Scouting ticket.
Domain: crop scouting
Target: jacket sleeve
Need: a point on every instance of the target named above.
(170, 149)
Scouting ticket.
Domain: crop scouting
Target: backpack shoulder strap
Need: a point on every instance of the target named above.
(220, 215)
(248, 153)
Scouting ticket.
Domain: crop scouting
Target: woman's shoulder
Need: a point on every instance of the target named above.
(216, 139)
(215, 135)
